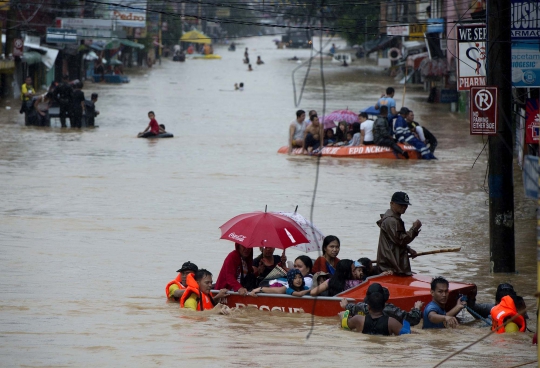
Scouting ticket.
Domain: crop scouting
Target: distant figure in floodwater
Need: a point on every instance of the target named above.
(232, 47)
(250, 69)
(259, 61)
(344, 63)
(236, 88)
(294, 58)
(241, 87)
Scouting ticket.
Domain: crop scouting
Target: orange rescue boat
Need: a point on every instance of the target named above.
(370, 151)
(404, 292)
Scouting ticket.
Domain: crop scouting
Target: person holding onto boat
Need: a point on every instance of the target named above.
(175, 288)
(91, 112)
(404, 135)
(376, 322)
(296, 286)
(388, 101)
(421, 132)
(435, 315)
(366, 129)
(265, 262)
(237, 273)
(197, 295)
(314, 135)
(63, 95)
(382, 134)
(393, 250)
(78, 106)
(346, 277)
(297, 130)
(328, 261)
(413, 317)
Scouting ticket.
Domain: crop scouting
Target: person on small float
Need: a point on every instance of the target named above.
(153, 127)
(435, 315)
(176, 288)
(375, 322)
(237, 273)
(296, 286)
(328, 261)
(393, 250)
(348, 275)
(407, 319)
(197, 295)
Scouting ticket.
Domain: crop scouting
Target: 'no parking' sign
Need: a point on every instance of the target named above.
(483, 110)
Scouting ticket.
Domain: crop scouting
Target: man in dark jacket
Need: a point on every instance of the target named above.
(382, 134)
(421, 132)
(63, 95)
(393, 252)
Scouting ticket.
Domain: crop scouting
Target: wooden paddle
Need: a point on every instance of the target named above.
(432, 252)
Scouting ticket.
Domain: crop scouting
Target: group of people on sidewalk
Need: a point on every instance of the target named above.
(311, 137)
(67, 96)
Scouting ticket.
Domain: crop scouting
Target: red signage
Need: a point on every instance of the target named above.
(532, 121)
(483, 110)
(18, 46)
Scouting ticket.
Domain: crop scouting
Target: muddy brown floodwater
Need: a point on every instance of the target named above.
(94, 223)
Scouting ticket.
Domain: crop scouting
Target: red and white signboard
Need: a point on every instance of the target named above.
(18, 47)
(483, 110)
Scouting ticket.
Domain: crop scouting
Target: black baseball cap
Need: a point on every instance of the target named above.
(400, 198)
(188, 266)
(404, 111)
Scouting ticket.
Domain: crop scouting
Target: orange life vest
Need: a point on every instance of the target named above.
(204, 301)
(175, 281)
(506, 309)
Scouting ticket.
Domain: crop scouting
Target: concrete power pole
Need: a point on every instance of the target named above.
(501, 175)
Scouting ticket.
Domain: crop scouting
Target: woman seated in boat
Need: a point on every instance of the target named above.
(304, 264)
(330, 250)
(348, 275)
(341, 134)
(296, 286)
(329, 137)
(355, 135)
(265, 262)
(237, 272)
(370, 269)
(197, 295)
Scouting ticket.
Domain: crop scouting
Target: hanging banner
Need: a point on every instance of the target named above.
(525, 44)
(472, 56)
(129, 13)
(532, 122)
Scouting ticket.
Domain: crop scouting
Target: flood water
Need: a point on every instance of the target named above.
(94, 223)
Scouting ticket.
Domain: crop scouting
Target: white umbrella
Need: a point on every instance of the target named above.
(91, 56)
(314, 235)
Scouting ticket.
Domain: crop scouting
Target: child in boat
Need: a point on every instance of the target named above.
(296, 287)
(329, 137)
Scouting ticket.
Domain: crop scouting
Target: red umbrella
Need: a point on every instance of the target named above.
(263, 229)
(341, 115)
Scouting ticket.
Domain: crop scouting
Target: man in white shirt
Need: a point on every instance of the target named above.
(297, 131)
(366, 129)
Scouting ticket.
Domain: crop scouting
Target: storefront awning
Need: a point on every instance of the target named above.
(131, 44)
(31, 57)
(378, 44)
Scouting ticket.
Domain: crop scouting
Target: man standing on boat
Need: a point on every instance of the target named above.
(297, 130)
(393, 252)
(388, 101)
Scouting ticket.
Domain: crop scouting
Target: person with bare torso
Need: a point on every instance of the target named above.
(297, 131)
(314, 135)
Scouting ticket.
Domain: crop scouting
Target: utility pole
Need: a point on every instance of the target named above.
(501, 175)
(11, 35)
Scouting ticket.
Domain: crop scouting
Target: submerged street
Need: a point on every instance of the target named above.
(95, 222)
